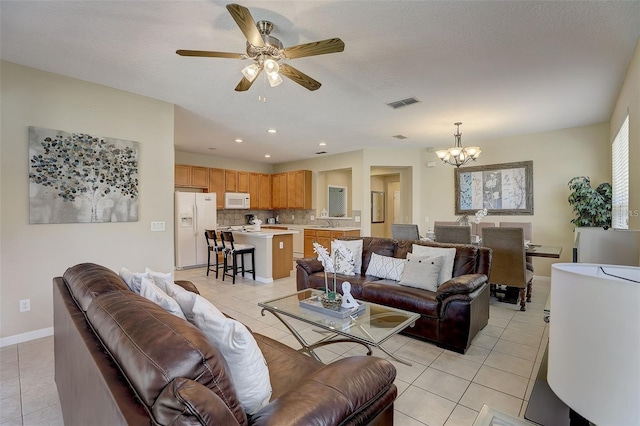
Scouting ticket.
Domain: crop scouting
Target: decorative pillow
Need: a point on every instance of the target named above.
(343, 265)
(185, 298)
(150, 291)
(448, 256)
(132, 279)
(386, 267)
(160, 278)
(422, 272)
(240, 350)
(355, 247)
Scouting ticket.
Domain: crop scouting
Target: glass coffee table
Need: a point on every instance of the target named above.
(371, 327)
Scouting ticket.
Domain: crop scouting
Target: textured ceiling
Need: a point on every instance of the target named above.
(500, 67)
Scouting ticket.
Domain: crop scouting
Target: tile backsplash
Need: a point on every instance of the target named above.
(296, 217)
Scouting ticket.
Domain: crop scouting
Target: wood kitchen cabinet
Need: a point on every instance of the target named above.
(191, 176)
(230, 181)
(279, 191)
(243, 182)
(260, 191)
(265, 192)
(299, 189)
(324, 237)
(216, 184)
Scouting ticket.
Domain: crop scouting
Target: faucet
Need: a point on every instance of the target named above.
(329, 222)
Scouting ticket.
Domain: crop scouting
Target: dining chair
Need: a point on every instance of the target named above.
(476, 228)
(232, 250)
(445, 223)
(213, 247)
(453, 234)
(508, 261)
(404, 231)
(527, 227)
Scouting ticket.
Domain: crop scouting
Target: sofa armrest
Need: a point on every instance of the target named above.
(332, 394)
(463, 284)
(310, 265)
(185, 401)
(187, 285)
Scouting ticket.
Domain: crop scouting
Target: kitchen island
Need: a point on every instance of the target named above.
(274, 251)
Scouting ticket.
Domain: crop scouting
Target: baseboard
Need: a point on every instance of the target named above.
(541, 278)
(25, 337)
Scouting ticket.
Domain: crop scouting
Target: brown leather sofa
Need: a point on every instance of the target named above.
(121, 359)
(450, 317)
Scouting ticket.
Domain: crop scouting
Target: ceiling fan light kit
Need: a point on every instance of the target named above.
(267, 51)
(458, 155)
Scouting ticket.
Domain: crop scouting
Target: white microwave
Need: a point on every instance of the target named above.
(236, 200)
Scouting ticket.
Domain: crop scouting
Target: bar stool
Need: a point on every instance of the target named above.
(235, 250)
(213, 247)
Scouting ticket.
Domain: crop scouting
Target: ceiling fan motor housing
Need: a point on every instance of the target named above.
(272, 46)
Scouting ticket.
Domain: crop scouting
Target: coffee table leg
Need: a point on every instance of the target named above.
(305, 346)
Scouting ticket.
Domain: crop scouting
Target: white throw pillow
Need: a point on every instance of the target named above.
(160, 278)
(422, 272)
(448, 256)
(185, 298)
(150, 291)
(132, 279)
(355, 247)
(385, 267)
(344, 266)
(247, 365)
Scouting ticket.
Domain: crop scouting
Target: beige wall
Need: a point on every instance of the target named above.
(629, 103)
(557, 157)
(31, 255)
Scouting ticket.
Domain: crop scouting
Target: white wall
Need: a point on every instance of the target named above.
(31, 255)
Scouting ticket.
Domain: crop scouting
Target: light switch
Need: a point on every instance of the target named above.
(281, 244)
(157, 226)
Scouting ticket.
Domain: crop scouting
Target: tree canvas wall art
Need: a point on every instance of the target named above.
(78, 178)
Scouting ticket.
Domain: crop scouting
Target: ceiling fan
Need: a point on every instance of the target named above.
(267, 52)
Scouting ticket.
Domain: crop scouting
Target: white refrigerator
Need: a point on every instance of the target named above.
(195, 212)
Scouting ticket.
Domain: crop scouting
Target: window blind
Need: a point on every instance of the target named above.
(620, 178)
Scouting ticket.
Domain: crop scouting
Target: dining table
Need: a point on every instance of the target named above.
(542, 250)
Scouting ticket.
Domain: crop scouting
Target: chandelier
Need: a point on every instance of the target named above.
(457, 155)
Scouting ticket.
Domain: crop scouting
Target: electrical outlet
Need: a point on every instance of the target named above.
(313, 217)
(25, 305)
(357, 219)
(426, 219)
(292, 217)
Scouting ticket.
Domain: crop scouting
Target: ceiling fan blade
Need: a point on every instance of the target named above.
(247, 25)
(209, 54)
(299, 77)
(323, 47)
(245, 84)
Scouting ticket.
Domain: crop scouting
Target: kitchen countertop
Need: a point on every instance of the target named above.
(298, 226)
(262, 233)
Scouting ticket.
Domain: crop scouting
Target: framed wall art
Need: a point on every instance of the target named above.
(503, 189)
(77, 177)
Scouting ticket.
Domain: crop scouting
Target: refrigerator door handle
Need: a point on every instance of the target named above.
(195, 219)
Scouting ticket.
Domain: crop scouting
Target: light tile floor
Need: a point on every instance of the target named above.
(440, 388)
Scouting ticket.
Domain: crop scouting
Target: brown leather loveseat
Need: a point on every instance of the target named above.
(450, 317)
(122, 359)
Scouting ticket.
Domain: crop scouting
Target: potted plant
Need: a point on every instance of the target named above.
(591, 206)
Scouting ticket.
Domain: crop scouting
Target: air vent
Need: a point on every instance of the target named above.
(403, 103)
(321, 152)
(400, 137)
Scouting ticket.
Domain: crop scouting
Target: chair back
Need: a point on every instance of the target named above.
(476, 228)
(210, 236)
(404, 231)
(526, 227)
(445, 223)
(507, 258)
(453, 234)
(227, 240)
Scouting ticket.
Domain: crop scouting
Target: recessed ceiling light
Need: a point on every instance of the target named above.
(322, 144)
(272, 131)
(239, 140)
(267, 156)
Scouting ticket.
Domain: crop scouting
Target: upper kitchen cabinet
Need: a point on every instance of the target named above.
(260, 191)
(191, 176)
(216, 184)
(230, 181)
(279, 191)
(299, 189)
(236, 181)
